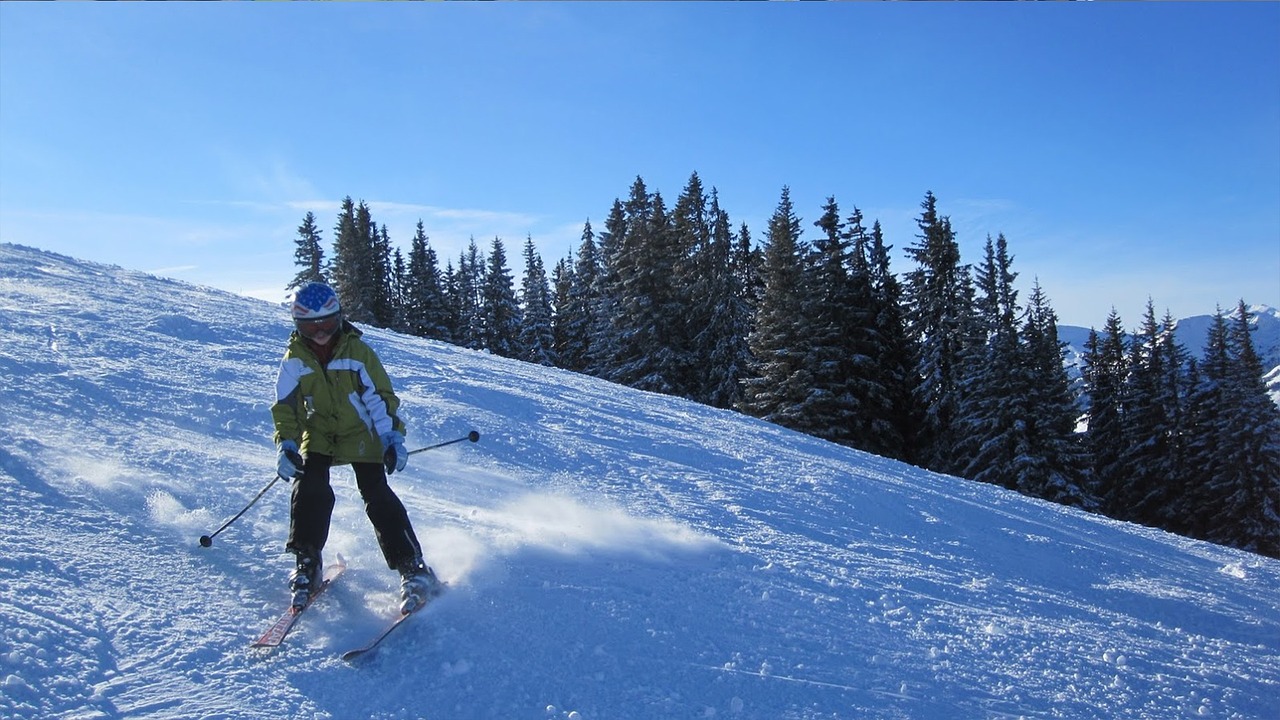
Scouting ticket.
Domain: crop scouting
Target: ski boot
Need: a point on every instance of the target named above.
(305, 578)
(418, 584)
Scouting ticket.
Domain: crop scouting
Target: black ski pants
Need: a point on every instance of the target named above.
(311, 507)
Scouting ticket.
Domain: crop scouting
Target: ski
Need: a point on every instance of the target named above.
(276, 633)
(352, 655)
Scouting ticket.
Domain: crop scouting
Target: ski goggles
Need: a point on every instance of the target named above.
(312, 328)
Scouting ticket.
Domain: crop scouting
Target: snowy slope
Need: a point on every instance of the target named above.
(614, 554)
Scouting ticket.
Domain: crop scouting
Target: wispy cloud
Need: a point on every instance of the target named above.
(458, 216)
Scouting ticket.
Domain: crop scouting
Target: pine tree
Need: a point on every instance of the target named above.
(499, 309)
(536, 339)
(865, 346)
(722, 355)
(1017, 409)
(897, 417)
(748, 261)
(426, 308)
(563, 283)
(632, 303)
(1236, 452)
(467, 295)
(779, 383)
(1175, 390)
(309, 255)
(381, 284)
(368, 278)
(1105, 369)
(830, 409)
(939, 297)
(451, 288)
(1209, 407)
(361, 269)
(648, 321)
(352, 262)
(399, 282)
(695, 290)
(576, 317)
(991, 409)
(605, 346)
(1050, 463)
(1148, 459)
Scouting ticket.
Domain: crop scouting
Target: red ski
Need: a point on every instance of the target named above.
(276, 633)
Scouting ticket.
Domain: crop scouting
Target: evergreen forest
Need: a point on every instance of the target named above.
(942, 366)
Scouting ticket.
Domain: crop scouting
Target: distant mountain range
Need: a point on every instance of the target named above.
(1192, 333)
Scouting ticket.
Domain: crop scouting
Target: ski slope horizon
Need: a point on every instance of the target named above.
(611, 553)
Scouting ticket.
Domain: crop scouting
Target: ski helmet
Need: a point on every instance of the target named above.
(315, 300)
(316, 312)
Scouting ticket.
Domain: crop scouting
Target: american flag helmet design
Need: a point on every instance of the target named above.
(315, 300)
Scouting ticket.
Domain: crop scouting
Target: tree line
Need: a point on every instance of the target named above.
(942, 367)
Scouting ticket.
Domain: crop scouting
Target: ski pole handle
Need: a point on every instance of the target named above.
(473, 436)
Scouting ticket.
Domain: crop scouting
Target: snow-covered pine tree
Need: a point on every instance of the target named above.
(829, 408)
(1256, 449)
(450, 288)
(536, 339)
(897, 418)
(562, 285)
(576, 316)
(866, 346)
(696, 288)
(778, 384)
(467, 297)
(748, 259)
(1105, 368)
(939, 298)
(649, 319)
(398, 284)
(425, 304)
(369, 281)
(351, 268)
(991, 411)
(1151, 453)
(500, 312)
(1051, 463)
(308, 255)
(1236, 448)
(724, 337)
(381, 285)
(605, 346)
(1017, 408)
(1175, 393)
(631, 292)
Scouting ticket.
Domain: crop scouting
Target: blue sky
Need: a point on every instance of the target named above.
(1125, 150)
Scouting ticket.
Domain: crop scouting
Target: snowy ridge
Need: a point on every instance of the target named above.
(1192, 333)
(613, 554)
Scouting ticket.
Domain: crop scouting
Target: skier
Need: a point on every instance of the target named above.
(334, 404)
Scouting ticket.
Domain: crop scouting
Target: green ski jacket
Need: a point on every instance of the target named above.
(341, 409)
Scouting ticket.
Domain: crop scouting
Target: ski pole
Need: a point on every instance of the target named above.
(207, 540)
(473, 436)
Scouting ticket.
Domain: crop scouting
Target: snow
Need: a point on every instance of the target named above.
(612, 553)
